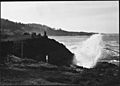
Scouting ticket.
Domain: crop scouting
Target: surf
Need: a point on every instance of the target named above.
(89, 51)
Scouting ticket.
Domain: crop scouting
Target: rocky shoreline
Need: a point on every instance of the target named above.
(41, 73)
(31, 67)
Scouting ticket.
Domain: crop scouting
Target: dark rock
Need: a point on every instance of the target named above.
(103, 74)
(105, 65)
(38, 49)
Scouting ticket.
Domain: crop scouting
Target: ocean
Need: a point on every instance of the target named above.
(88, 50)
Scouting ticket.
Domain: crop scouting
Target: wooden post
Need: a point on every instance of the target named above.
(47, 58)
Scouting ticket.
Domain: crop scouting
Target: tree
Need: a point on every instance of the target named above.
(33, 34)
(26, 33)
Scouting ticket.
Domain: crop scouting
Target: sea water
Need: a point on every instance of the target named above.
(88, 50)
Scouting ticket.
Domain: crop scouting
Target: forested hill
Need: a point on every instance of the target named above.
(14, 28)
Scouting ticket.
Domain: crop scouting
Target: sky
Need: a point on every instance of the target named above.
(89, 16)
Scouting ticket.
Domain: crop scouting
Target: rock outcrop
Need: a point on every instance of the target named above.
(38, 49)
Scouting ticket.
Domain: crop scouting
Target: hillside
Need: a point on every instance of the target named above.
(13, 28)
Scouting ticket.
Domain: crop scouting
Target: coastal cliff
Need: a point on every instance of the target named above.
(38, 49)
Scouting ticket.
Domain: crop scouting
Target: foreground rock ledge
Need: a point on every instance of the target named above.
(104, 74)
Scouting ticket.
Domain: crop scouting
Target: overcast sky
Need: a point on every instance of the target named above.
(90, 16)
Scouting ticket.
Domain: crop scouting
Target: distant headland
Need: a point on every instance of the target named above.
(10, 28)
